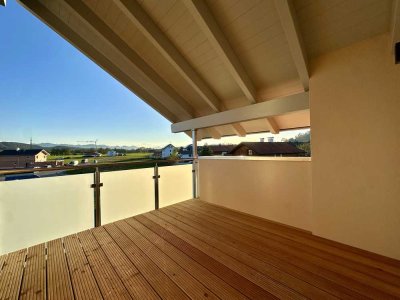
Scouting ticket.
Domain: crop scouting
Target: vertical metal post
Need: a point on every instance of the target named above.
(195, 163)
(156, 193)
(97, 206)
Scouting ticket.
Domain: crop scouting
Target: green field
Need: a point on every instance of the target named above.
(102, 159)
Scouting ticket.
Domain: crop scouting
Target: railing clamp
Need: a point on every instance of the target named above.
(97, 205)
(156, 191)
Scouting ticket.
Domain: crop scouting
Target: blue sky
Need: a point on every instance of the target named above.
(53, 93)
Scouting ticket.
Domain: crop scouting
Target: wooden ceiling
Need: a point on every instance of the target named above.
(189, 59)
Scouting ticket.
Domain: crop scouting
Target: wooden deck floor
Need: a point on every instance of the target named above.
(199, 251)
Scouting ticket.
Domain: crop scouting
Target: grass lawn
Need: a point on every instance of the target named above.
(102, 159)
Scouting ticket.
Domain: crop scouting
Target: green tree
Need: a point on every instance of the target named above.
(302, 141)
(174, 155)
(301, 138)
(205, 151)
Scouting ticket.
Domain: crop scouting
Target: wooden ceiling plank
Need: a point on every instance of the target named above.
(53, 21)
(273, 126)
(148, 27)
(124, 49)
(216, 37)
(275, 107)
(395, 25)
(289, 23)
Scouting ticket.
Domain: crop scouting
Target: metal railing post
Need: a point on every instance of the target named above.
(97, 206)
(194, 163)
(156, 192)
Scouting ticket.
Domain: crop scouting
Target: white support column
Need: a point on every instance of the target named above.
(195, 166)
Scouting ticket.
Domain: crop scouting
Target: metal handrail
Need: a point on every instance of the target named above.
(90, 166)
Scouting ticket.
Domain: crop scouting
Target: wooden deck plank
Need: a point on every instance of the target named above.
(58, 280)
(191, 286)
(2, 260)
(164, 286)
(325, 256)
(134, 281)
(111, 286)
(309, 284)
(267, 255)
(195, 250)
(12, 274)
(258, 280)
(359, 281)
(82, 278)
(209, 279)
(34, 281)
(358, 255)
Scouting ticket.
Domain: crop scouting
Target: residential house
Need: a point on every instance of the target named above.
(185, 154)
(10, 159)
(221, 149)
(266, 149)
(167, 151)
(112, 153)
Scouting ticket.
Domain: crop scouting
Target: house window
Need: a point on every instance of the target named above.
(250, 152)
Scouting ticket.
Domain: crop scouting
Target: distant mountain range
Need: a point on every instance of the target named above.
(15, 145)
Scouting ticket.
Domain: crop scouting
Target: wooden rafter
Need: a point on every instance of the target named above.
(136, 14)
(273, 126)
(216, 37)
(138, 64)
(89, 50)
(288, 20)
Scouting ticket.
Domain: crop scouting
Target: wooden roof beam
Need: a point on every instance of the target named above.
(214, 133)
(208, 24)
(137, 15)
(395, 26)
(289, 23)
(238, 128)
(53, 21)
(148, 27)
(279, 106)
(273, 126)
(140, 66)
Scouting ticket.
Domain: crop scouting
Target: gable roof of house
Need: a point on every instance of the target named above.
(221, 148)
(266, 148)
(22, 152)
(185, 152)
(169, 145)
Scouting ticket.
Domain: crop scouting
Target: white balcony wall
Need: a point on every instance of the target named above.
(126, 193)
(356, 146)
(175, 184)
(277, 189)
(37, 210)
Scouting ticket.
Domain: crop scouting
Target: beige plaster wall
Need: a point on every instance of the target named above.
(355, 121)
(274, 189)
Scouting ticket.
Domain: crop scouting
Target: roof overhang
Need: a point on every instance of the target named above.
(217, 66)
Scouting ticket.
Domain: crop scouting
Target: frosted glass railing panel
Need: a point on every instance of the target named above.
(126, 193)
(37, 210)
(175, 184)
